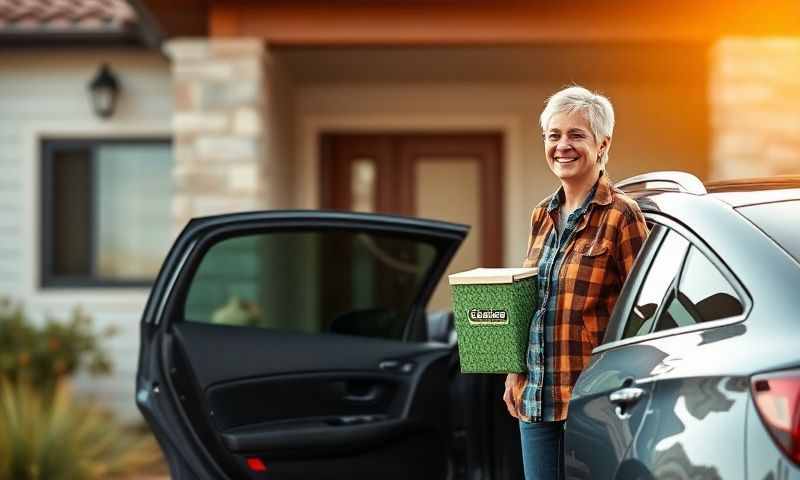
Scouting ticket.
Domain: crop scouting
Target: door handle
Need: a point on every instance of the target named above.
(367, 397)
(388, 365)
(359, 392)
(624, 398)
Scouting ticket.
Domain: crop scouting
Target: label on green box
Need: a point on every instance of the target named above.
(487, 317)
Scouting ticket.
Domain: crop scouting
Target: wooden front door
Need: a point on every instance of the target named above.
(452, 177)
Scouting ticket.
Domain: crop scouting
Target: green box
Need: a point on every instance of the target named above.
(493, 309)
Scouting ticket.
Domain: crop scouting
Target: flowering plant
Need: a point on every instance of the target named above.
(45, 352)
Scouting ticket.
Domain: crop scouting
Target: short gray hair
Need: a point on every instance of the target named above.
(597, 108)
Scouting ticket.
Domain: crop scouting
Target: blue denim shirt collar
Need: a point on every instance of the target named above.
(557, 199)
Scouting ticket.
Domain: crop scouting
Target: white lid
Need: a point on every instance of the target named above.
(491, 275)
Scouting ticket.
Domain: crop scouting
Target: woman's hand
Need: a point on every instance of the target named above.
(512, 380)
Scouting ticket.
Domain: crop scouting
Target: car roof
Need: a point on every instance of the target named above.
(750, 191)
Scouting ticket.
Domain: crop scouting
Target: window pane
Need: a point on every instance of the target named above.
(133, 208)
(334, 281)
(704, 295)
(71, 200)
(660, 277)
(362, 185)
(771, 218)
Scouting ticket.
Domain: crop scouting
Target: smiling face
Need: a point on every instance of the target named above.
(571, 149)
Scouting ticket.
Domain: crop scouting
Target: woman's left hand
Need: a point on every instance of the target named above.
(512, 380)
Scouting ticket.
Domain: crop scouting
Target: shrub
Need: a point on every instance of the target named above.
(53, 437)
(43, 354)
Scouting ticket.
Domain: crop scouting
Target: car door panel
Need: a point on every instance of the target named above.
(327, 397)
(382, 394)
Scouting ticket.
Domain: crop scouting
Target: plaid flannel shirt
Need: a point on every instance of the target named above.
(593, 265)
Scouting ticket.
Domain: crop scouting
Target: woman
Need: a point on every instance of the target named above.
(583, 239)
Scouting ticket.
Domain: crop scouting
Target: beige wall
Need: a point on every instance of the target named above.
(44, 94)
(661, 116)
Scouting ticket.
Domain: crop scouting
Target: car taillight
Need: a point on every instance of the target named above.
(777, 397)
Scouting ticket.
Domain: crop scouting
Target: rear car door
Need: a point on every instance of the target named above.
(678, 336)
(292, 345)
(695, 424)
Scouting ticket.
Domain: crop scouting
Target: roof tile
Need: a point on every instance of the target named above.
(41, 16)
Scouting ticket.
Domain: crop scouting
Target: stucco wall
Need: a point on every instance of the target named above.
(43, 94)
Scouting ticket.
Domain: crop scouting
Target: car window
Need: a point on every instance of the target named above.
(660, 277)
(703, 295)
(346, 282)
(772, 218)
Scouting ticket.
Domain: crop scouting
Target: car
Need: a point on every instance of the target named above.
(698, 375)
(295, 344)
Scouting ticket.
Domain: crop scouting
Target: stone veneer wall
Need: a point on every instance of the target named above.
(755, 107)
(222, 143)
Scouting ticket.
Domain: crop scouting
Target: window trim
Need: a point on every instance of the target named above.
(703, 248)
(49, 146)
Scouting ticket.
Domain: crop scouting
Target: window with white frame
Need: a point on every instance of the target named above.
(105, 211)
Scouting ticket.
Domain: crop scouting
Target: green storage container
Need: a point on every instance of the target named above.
(493, 309)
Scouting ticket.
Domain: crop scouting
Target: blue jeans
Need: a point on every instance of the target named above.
(542, 450)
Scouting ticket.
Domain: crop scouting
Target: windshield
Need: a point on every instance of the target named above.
(350, 282)
(779, 220)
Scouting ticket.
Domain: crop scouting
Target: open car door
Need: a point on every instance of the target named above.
(291, 344)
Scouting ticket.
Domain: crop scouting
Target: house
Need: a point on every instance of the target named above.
(421, 107)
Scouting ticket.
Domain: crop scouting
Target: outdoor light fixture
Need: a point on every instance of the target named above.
(104, 90)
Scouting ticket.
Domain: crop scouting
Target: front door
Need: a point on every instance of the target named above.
(451, 177)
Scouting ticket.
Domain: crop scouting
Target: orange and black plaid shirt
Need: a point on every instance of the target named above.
(592, 266)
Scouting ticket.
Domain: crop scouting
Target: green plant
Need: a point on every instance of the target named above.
(53, 437)
(42, 354)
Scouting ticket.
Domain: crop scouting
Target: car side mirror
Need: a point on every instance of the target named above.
(441, 327)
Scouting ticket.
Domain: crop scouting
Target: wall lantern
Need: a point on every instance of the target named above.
(103, 91)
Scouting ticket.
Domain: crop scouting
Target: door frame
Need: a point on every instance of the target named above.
(516, 211)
